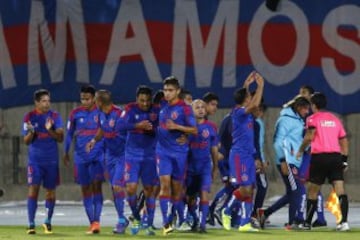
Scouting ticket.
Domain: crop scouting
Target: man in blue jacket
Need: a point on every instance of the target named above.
(287, 140)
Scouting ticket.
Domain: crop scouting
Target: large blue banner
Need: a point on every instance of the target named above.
(209, 45)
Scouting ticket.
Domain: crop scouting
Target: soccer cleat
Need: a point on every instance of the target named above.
(261, 217)
(343, 227)
(47, 228)
(94, 228)
(135, 227)
(248, 228)
(31, 230)
(318, 223)
(226, 220)
(167, 229)
(121, 226)
(184, 227)
(304, 226)
(149, 232)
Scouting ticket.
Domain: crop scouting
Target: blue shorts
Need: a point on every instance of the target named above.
(115, 171)
(88, 172)
(173, 164)
(136, 167)
(242, 169)
(48, 175)
(304, 167)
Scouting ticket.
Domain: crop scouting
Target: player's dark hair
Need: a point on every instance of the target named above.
(104, 96)
(183, 93)
(88, 89)
(319, 100)
(309, 88)
(143, 89)
(172, 81)
(39, 93)
(300, 102)
(159, 94)
(240, 95)
(210, 96)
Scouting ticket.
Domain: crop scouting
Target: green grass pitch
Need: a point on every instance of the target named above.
(78, 233)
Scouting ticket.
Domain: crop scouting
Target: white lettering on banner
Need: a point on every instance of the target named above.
(130, 13)
(55, 51)
(339, 82)
(205, 51)
(6, 69)
(279, 75)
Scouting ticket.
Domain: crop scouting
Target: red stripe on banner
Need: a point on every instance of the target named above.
(279, 41)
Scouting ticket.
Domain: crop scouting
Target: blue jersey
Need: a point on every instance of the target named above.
(139, 142)
(181, 114)
(243, 131)
(201, 144)
(43, 149)
(259, 131)
(114, 137)
(83, 125)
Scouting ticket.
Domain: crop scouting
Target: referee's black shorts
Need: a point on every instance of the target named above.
(326, 165)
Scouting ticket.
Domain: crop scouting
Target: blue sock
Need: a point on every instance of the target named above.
(88, 205)
(98, 204)
(247, 207)
(164, 207)
(132, 201)
(233, 202)
(204, 209)
(49, 206)
(320, 208)
(237, 210)
(119, 203)
(150, 209)
(31, 208)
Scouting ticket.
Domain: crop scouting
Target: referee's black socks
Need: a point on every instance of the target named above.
(344, 206)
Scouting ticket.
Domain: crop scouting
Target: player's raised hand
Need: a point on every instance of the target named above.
(259, 79)
(250, 79)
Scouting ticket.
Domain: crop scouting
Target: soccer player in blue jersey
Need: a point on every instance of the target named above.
(42, 131)
(202, 163)
(82, 126)
(212, 101)
(175, 119)
(112, 131)
(140, 160)
(241, 160)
